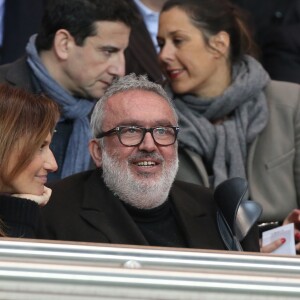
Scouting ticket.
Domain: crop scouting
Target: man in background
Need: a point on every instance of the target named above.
(141, 54)
(73, 59)
(276, 24)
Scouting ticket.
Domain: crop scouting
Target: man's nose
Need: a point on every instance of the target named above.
(148, 143)
(117, 67)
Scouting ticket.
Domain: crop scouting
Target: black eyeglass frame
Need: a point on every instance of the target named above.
(118, 130)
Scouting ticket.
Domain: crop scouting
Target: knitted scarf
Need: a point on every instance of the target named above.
(224, 147)
(77, 156)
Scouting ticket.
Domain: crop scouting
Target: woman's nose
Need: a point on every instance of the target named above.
(166, 53)
(50, 162)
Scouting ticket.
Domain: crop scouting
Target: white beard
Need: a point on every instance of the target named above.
(143, 192)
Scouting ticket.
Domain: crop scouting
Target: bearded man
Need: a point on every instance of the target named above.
(132, 198)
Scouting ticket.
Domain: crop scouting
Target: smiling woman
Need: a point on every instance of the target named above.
(26, 126)
(234, 120)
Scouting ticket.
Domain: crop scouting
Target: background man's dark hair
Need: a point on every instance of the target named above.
(79, 17)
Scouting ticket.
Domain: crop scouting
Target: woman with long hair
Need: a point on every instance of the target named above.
(234, 120)
(27, 122)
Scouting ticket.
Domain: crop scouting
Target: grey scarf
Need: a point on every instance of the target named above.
(224, 147)
(77, 156)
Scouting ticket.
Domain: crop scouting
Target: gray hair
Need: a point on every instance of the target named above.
(123, 84)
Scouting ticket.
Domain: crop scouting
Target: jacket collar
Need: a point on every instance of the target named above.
(105, 212)
(197, 217)
(19, 74)
(110, 217)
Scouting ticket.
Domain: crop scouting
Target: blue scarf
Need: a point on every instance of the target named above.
(77, 157)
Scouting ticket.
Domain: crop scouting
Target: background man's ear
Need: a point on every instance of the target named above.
(96, 152)
(63, 43)
(220, 43)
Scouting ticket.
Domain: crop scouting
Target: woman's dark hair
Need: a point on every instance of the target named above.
(79, 18)
(213, 16)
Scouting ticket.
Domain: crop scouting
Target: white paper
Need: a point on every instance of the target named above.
(287, 232)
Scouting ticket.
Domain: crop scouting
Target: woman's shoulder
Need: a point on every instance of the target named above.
(283, 93)
(20, 216)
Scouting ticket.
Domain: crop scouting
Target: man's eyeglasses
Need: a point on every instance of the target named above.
(134, 135)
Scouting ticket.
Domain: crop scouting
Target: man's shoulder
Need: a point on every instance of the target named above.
(283, 94)
(69, 192)
(193, 199)
(72, 182)
(192, 187)
(190, 192)
(20, 63)
(16, 73)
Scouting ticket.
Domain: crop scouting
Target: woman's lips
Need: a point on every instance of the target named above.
(42, 178)
(175, 73)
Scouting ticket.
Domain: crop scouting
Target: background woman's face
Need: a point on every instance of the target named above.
(189, 64)
(33, 178)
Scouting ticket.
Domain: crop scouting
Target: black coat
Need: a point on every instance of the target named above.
(141, 56)
(21, 20)
(82, 208)
(276, 24)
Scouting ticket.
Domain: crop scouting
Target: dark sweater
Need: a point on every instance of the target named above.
(158, 225)
(19, 216)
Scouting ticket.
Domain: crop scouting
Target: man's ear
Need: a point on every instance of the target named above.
(96, 152)
(63, 42)
(220, 43)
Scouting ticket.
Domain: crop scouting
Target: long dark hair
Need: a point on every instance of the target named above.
(213, 16)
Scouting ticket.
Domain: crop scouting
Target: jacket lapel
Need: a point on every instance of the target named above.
(104, 211)
(197, 160)
(196, 215)
(250, 159)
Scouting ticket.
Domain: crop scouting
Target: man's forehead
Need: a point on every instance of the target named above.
(139, 106)
(110, 34)
(103, 27)
(142, 98)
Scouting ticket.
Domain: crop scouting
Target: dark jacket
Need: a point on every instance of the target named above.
(141, 56)
(276, 24)
(82, 208)
(19, 24)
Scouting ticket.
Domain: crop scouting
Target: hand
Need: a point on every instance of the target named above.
(294, 217)
(272, 246)
(41, 200)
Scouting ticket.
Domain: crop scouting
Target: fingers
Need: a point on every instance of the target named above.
(297, 248)
(276, 244)
(273, 246)
(293, 217)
